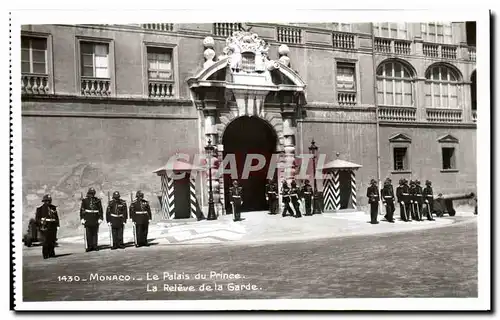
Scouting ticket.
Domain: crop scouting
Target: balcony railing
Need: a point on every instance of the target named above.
(346, 99)
(448, 52)
(392, 46)
(402, 114)
(288, 34)
(431, 50)
(98, 87)
(472, 53)
(158, 26)
(343, 40)
(226, 29)
(32, 84)
(444, 115)
(161, 89)
(474, 115)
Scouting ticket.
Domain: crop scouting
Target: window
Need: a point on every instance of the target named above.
(34, 55)
(438, 32)
(394, 84)
(160, 64)
(346, 79)
(344, 27)
(400, 159)
(95, 59)
(391, 30)
(449, 158)
(441, 87)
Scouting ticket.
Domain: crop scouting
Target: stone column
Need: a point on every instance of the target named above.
(288, 159)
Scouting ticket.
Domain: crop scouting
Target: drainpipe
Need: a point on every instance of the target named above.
(375, 98)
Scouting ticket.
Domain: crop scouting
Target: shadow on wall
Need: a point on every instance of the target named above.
(66, 193)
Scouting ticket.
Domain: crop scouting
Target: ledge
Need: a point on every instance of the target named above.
(90, 114)
(401, 171)
(449, 170)
(106, 100)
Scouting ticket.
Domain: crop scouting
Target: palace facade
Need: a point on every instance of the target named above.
(108, 105)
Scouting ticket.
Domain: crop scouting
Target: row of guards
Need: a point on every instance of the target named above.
(178, 199)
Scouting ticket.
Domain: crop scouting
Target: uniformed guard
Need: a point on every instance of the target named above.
(401, 200)
(48, 221)
(272, 197)
(373, 198)
(307, 192)
(91, 216)
(419, 199)
(407, 199)
(428, 199)
(413, 200)
(116, 217)
(387, 194)
(285, 197)
(236, 193)
(294, 196)
(140, 213)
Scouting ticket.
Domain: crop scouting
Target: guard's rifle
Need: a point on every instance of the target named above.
(134, 230)
(109, 225)
(84, 228)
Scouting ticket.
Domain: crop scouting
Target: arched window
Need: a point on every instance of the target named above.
(394, 84)
(441, 87)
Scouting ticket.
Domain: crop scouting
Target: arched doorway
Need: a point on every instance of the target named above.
(473, 91)
(243, 136)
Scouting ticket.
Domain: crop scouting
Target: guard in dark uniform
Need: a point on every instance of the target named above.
(407, 199)
(91, 216)
(236, 194)
(402, 208)
(419, 199)
(413, 200)
(140, 213)
(48, 221)
(285, 197)
(387, 194)
(373, 199)
(307, 192)
(116, 217)
(428, 199)
(294, 196)
(272, 197)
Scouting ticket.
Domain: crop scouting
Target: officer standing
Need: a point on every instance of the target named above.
(388, 200)
(272, 197)
(419, 199)
(47, 219)
(413, 200)
(140, 213)
(373, 199)
(307, 192)
(236, 193)
(399, 193)
(428, 199)
(294, 196)
(285, 198)
(116, 217)
(91, 216)
(407, 199)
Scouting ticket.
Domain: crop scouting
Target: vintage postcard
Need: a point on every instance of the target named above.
(251, 160)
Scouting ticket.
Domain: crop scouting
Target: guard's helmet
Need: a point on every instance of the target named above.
(417, 182)
(372, 181)
(294, 184)
(139, 194)
(307, 181)
(235, 182)
(91, 192)
(116, 195)
(412, 182)
(47, 198)
(285, 184)
(402, 181)
(428, 182)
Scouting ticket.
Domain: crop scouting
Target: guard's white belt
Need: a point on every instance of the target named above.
(46, 219)
(141, 212)
(387, 196)
(117, 215)
(236, 196)
(429, 195)
(307, 192)
(86, 210)
(406, 194)
(419, 195)
(271, 192)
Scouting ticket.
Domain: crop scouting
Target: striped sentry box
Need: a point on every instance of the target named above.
(192, 195)
(328, 192)
(353, 189)
(336, 189)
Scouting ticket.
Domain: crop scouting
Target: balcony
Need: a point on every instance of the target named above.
(444, 115)
(472, 53)
(343, 40)
(400, 114)
(33, 84)
(288, 34)
(161, 89)
(434, 50)
(474, 115)
(346, 99)
(226, 29)
(158, 26)
(385, 45)
(95, 87)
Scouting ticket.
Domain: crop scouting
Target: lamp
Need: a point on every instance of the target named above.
(313, 149)
(209, 149)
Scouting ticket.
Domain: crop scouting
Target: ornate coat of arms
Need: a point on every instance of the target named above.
(247, 52)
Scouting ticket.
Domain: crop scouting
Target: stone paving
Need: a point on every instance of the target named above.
(262, 227)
